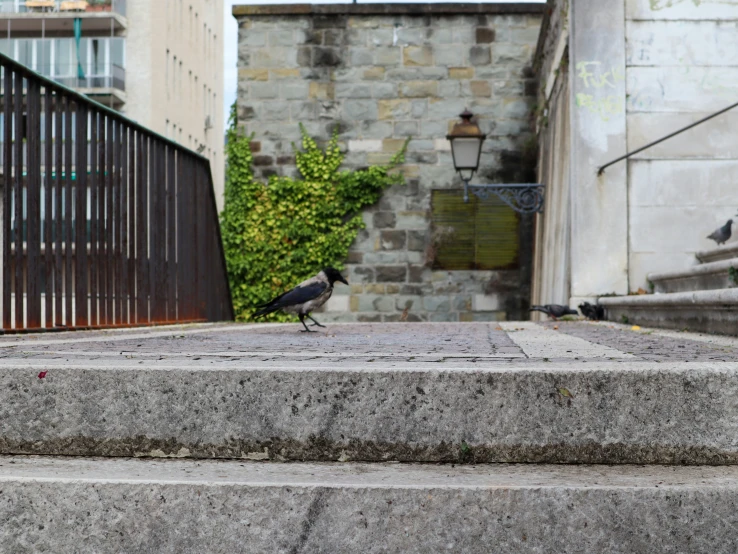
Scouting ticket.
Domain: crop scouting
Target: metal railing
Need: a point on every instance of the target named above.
(117, 229)
(601, 170)
(62, 6)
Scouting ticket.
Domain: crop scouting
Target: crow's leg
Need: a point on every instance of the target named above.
(314, 322)
(302, 320)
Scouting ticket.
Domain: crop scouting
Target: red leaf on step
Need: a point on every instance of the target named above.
(42, 374)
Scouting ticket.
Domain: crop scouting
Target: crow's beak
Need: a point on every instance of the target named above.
(344, 281)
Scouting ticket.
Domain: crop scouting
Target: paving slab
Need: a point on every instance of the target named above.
(422, 392)
(96, 505)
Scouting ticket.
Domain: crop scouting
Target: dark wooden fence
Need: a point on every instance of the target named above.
(104, 222)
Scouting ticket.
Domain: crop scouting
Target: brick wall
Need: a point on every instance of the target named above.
(382, 73)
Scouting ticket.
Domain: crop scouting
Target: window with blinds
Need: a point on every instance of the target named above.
(479, 234)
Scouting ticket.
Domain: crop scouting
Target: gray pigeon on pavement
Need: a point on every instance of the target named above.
(722, 234)
(554, 311)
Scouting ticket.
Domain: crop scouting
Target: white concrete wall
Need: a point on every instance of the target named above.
(599, 205)
(170, 99)
(639, 69)
(682, 64)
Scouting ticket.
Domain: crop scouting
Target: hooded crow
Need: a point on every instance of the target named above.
(554, 310)
(305, 297)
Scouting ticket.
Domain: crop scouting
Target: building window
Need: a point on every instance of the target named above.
(205, 110)
(57, 58)
(479, 234)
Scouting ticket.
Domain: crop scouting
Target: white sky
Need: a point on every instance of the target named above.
(230, 38)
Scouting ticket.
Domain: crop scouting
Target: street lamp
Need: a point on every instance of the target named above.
(466, 146)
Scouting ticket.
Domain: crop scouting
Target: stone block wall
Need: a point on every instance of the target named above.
(380, 73)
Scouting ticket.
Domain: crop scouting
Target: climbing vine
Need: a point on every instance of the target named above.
(280, 233)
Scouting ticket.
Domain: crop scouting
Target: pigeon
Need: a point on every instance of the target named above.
(595, 312)
(554, 311)
(305, 297)
(722, 234)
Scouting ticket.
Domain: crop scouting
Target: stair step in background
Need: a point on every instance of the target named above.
(706, 276)
(182, 507)
(624, 411)
(724, 252)
(709, 311)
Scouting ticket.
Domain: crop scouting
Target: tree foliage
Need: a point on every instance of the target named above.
(278, 234)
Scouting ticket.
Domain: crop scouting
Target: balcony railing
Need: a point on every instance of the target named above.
(62, 6)
(117, 229)
(110, 76)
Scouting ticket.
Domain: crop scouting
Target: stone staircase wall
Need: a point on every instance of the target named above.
(701, 298)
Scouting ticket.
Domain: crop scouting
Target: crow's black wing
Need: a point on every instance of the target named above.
(298, 295)
(587, 310)
(599, 312)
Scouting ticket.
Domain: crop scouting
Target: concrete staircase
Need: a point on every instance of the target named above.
(511, 413)
(702, 298)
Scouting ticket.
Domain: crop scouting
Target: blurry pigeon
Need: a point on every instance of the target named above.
(554, 311)
(595, 312)
(305, 297)
(722, 234)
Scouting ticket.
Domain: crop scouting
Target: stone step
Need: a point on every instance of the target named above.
(724, 252)
(182, 507)
(721, 274)
(709, 311)
(618, 410)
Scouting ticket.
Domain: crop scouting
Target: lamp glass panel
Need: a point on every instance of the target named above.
(466, 152)
(466, 174)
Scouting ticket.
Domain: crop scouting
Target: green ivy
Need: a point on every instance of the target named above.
(279, 234)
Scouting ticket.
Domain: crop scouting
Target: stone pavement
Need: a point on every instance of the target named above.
(493, 344)
(461, 404)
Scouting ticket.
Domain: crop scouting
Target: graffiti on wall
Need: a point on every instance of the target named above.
(596, 79)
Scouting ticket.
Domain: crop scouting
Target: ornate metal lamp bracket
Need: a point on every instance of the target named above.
(523, 198)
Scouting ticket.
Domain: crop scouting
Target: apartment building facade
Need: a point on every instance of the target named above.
(160, 63)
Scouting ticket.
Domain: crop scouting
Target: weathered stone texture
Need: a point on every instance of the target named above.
(381, 75)
(92, 506)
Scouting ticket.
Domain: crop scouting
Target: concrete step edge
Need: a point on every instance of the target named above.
(721, 266)
(719, 253)
(628, 411)
(109, 506)
(694, 299)
(705, 311)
